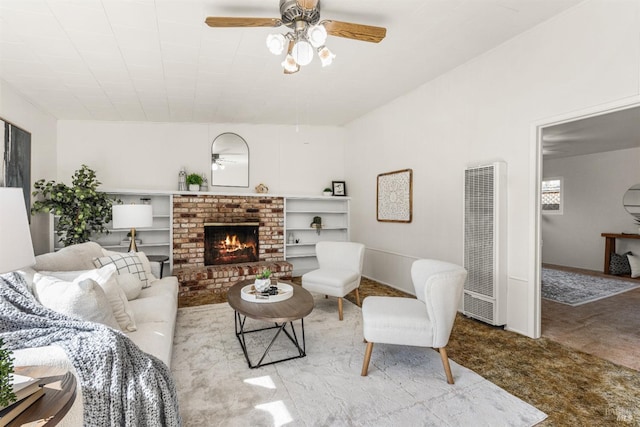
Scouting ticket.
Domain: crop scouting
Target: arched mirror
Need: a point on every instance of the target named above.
(229, 161)
(631, 200)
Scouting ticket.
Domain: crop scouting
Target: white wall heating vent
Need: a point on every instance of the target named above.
(485, 243)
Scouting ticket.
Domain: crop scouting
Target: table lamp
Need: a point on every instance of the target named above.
(16, 248)
(132, 216)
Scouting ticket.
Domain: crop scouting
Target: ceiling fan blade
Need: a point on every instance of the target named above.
(227, 22)
(307, 4)
(365, 33)
(289, 50)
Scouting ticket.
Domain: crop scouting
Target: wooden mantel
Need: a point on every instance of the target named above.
(610, 245)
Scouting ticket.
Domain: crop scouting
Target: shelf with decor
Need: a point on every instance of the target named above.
(301, 237)
(155, 240)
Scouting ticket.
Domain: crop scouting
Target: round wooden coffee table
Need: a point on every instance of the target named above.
(281, 313)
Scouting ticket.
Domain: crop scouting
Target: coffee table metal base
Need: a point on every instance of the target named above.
(280, 327)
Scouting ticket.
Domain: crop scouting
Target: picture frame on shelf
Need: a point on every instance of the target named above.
(339, 188)
(395, 196)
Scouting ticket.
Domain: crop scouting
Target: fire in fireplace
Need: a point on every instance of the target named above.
(231, 243)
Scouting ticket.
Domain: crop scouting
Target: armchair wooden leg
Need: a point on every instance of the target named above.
(358, 298)
(367, 358)
(340, 308)
(445, 363)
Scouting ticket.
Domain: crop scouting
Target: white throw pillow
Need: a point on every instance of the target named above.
(125, 263)
(634, 262)
(83, 299)
(129, 283)
(116, 296)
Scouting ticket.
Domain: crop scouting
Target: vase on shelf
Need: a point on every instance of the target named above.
(194, 187)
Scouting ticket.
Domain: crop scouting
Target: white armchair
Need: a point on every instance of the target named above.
(423, 322)
(339, 272)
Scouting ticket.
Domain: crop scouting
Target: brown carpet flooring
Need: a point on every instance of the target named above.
(574, 388)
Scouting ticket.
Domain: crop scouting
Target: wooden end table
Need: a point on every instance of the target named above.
(281, 313)
(59, 395)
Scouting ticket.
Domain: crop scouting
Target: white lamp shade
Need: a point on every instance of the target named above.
(16, 248)
(326, 56)
(289, 64)
(302, 52)
(317, 35)
(132, 216)
(275, 43)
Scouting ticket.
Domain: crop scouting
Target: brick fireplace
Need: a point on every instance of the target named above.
(192, 214)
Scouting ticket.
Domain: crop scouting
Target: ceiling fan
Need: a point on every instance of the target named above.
(307, 33)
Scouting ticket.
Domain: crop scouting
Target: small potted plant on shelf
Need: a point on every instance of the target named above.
(263, 280)
(327, 192)
(193, 181)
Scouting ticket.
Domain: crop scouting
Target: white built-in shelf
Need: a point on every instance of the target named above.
(299, 214)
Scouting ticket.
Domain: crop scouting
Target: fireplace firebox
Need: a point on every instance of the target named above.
(231, 243)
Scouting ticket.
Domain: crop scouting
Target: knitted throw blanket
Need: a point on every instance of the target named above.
(121, 385)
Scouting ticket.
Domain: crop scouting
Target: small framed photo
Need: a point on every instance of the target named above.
(339, 188)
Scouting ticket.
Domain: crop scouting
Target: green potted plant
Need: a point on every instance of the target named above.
(6, 369)
(193, 181)
(80, 208)
(263, 280)
(327, 192)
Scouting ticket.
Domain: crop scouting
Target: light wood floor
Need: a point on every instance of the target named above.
(608, 328)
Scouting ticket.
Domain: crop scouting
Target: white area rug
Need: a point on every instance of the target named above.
(406, 386)
(575, 289)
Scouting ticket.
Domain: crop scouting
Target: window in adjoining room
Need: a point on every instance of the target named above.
(552, 189)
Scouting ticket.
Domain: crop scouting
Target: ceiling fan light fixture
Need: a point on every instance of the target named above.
(275, 43)
(214, 166)
(325, 55)
(317, 35)
(289, 64)
(302, 52)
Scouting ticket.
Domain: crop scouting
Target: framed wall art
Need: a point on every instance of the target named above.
(15, 169)
(395, 196)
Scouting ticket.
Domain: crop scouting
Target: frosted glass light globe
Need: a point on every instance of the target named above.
(275, 43)
(302, 52)
(317, 35)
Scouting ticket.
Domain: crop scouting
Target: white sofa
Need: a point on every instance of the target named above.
(154, 312)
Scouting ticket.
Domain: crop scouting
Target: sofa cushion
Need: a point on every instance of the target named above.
(107, 279)
(84, 299)
(125, 263)
(146, 265)
(74, 257)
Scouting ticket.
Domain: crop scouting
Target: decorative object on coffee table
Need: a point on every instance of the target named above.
(132, 216)
(395, 196)
(193, 181)
(263, 280)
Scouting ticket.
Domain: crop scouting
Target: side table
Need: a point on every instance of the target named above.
(159, 258)
(59, 395)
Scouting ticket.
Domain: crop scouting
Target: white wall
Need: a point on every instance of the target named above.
(593, 189)
(150, 155)
(20, 111)
(481, 112)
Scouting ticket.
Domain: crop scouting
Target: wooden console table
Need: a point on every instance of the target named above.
(610, 246)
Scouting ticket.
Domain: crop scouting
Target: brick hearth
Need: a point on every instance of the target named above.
(190, 213)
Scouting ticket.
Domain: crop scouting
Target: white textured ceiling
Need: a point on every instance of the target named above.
(146, 60)
(619, 130)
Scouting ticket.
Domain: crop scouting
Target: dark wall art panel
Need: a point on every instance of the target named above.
(16, 160)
